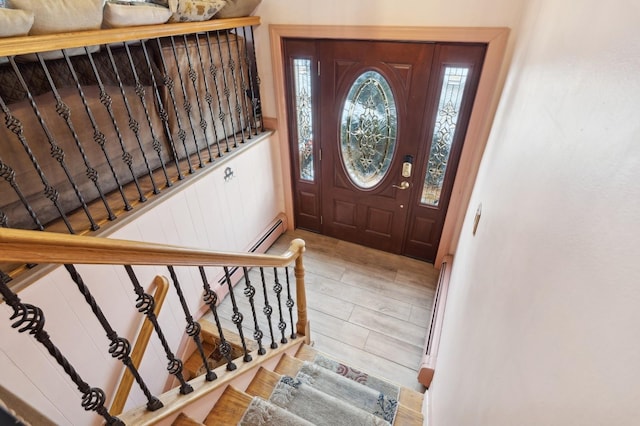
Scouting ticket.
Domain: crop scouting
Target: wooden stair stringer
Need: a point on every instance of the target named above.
(174, 403)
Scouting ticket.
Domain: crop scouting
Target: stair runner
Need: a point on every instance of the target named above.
(311, 389)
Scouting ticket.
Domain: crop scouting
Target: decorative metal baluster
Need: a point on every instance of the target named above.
(133, 123)
(277, 287)
(193, 328)
(145, 305)
(15, 126)
(106, 100)
(56, 152)
(186, 104)
(211, 298)
(64, 112)
(290, 304)
(4, 220)
(267, 310)
(140, 91)
(255, 100)
(98, 136)
(250, 292)
(245, 110)
(193, 76)
(162, 112)
(213, 69)
(120, 348)
(235, 80)
(31, 319)
(169, 84)
(237, 316)
(257, 79)
(8, 174)
(208, 97)
(227, 91)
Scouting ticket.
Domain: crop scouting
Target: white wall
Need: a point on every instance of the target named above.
(459, 13)
(543, 313)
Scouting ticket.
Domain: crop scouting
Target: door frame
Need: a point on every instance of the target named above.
(492, 79)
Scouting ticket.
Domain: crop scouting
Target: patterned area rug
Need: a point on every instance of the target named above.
(264, 413)
(318, 407)
(388, 389)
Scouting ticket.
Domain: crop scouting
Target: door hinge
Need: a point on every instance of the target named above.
(321, 221)
(318, 68)
(320, 154)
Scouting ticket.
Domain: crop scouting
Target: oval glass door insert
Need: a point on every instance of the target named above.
(368, 129)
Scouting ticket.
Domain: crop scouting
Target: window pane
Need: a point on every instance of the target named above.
(368, 129)
(453, 85)
(302, 80)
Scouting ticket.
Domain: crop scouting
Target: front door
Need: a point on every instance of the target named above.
(377, 132)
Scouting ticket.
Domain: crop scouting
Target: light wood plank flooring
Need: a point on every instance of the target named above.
(367, 308)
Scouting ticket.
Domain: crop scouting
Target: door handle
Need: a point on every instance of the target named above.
(403, 185)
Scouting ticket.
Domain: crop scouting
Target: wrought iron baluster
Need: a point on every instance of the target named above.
(267, 310)
(208, 97)
(4, 220)
(213, 69)
(57, 153)
(193, 328)
(186, 104)
(145, 305)
(211, 298)
(120, 348)
(140, 91)
(255, 100)
(290, 304)
(8, 174)
(227, 91)
(107, 102)
(170, 85)
(98, 136)
(234, 79)
(277, 288)
(15, 126)
(237, 316)
(162, 112)
(193, 76)
(31, 319)
(133, 123)
(64, 112)
(257, 79)
(250, 292)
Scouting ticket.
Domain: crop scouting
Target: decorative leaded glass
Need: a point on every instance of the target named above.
(302, 81)
(368, 129)
(453, 86)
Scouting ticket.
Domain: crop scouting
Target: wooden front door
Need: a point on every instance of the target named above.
(376, 133)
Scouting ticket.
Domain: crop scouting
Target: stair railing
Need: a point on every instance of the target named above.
(34, 247)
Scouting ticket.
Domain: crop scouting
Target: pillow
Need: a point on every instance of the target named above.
(194, 10)
(125, 14)
(15, 22)
(56, 16)
(238, 8)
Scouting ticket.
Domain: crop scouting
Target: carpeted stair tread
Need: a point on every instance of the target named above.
(184, 420)
(407, 398)
(229, 409)
(264, 413)
(263, 383)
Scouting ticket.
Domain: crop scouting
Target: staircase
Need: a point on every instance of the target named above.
(238, 398)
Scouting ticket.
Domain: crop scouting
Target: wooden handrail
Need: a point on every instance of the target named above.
(43, 43)
(17, 245)
(139, 347)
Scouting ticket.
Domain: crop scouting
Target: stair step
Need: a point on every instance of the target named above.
(288, 366)
(229, 409)
(194, 362)
(184, 420)
(263, 383)
(408, 397)
(210, 333)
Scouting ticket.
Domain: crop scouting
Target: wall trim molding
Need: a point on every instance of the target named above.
(484, 108)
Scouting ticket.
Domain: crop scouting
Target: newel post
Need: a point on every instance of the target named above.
(302, 326)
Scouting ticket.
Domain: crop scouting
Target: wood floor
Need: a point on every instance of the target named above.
(367, 308)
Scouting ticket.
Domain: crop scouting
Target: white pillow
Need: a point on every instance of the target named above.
(57, 16)
(194, 10)
(15, 22)
(125, 14)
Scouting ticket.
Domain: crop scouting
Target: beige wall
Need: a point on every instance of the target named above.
(542, 319)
